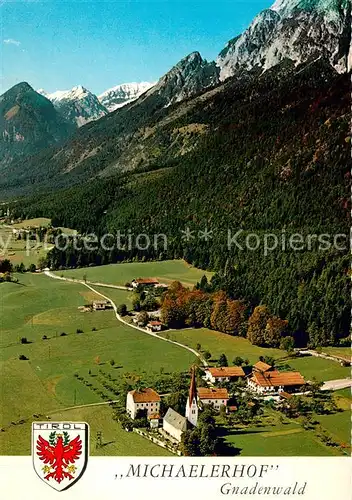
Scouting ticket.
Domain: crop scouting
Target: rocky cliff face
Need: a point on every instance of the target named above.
(191, 75)
(300, 30)
(78, 106)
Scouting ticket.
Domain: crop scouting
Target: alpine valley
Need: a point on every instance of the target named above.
(257, 140)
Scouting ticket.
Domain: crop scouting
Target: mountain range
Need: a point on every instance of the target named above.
(299, 31)
(259, 139)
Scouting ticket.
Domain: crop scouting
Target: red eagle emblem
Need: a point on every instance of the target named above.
(59, 455)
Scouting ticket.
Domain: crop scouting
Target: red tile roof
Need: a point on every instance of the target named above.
(262, 367)
(206, 393)
(145, 396)
(146, 281)
(276, 378)
(227, 371)
(154, 323)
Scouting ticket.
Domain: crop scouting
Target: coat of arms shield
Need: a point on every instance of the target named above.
(60, 452)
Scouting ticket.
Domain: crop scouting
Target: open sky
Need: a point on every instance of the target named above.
(57, 44)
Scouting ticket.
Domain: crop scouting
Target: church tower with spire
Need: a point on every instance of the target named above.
(192, 406)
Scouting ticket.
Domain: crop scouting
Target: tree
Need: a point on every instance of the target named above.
(136, 302)
(257, 324)
(207, 355)
(223, 360)
(287, 344)
(274, 331)
(112, 362)
(122, 309)
(198, 347)
(143, 318)
(238, 361)
(32, 268)
(24, 340)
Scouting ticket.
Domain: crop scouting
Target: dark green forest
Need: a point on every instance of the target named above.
(275, 158)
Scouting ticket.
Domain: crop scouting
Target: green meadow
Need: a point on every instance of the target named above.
(46, 381)
(218, 343)
(119, 274)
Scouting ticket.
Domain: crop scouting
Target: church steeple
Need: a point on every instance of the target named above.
(192, 405)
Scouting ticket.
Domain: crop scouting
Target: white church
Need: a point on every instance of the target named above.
(175, 424)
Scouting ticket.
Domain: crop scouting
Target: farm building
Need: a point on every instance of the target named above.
(224, 374)
(175, 424)
(261, 367)
(273, 382)
(101, 305)
(214, 397)
(145, 399)
(154, 326)
(150, 282)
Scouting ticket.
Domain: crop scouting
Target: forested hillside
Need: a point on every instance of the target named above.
(267, 153)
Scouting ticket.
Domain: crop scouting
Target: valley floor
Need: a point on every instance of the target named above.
(58, 368)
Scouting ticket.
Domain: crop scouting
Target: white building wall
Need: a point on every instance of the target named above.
(192, 412)
(175, 433)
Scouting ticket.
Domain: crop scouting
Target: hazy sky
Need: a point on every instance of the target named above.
(55, 44)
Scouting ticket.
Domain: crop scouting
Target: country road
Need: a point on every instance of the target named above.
(335, 385)
(119, 318)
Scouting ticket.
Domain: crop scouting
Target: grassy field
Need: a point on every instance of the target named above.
(38, 222)
(45, 382)
(217, 343)
(17, 250)
(118, 274)
(275, 438)
(343, 352)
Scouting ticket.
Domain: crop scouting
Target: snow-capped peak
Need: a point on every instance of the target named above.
(123, 94)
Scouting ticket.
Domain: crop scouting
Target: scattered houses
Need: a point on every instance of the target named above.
(175, 424)
(224, 374)
(145, 399)
(274, 382)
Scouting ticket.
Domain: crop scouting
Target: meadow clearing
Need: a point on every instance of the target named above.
(119, 274)
(218, 343)
(20, 250)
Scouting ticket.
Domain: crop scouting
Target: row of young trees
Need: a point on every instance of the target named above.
(184, 307)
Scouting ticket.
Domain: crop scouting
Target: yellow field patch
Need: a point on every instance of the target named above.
(12, 112)
(52, 317)
(51, 385)
(281, 433)
(90, 296)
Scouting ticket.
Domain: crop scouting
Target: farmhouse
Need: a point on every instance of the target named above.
(224, 374)
(262, 367)
(101, 305)
(154, 326)
(145, 399)
(214, 397)
(273, 382)
(150, 282)
(175, 424)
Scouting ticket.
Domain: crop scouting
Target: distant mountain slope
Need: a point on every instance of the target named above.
(123, 94)
(78, 105)
(28, 123)
(267, 155)
(300, 30)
